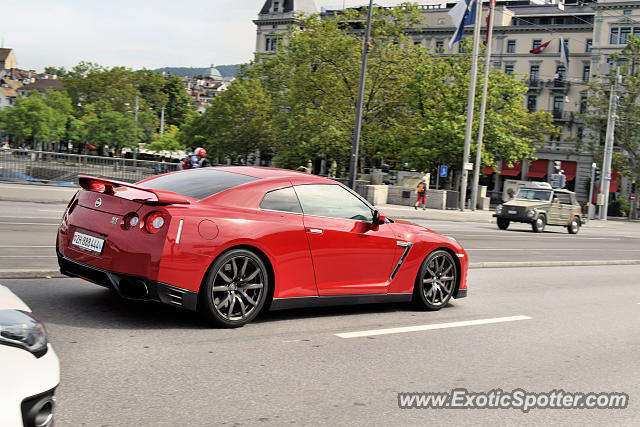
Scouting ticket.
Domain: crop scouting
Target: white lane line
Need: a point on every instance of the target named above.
(29, 223)
(469, 236)
(552, 249)
(30, 256)
(23, 246)
(30, 217)
(430, 327)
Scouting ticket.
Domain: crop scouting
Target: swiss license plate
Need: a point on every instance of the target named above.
(513, 212)
(88, 243)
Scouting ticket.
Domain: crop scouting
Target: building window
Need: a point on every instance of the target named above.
(558, 103)
(535, 44)
(439, 46)
(583, 104)
(613, 37)
(566, 41)
(589, 44)
(511, 46)
(586, 73)
(276, 6)
(532, 103)
(626, 12)
(561, 72)
(534, 72)
(624, 35)
(272, 44)
(508, 69)
(441, 21)
(620, 35)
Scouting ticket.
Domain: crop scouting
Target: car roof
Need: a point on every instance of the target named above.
(265, 173)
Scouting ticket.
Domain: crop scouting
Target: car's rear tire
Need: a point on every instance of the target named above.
(538, 224)
(503, 224)
(436, 281)
(574, 227)
(235, 289)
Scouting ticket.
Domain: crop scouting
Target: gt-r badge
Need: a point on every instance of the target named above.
(114, 220)
(98, 202)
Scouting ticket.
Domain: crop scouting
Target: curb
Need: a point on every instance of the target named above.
(29, 274)
(40, 274)
(474, 265)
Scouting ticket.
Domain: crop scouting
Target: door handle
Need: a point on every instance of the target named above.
(314, 231)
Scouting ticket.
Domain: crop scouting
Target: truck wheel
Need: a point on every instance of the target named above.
(538, 225)
(574, 227)
(503, 223)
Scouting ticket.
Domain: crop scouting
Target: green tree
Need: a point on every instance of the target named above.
(58, 71)
(626, 159)
(36, 119)
(179, 107)
(114, 129)
(167, 142)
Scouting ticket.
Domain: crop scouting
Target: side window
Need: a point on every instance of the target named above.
(283, 199)
(332, 201)
(563, 198)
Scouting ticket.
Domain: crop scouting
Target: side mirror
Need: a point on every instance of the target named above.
(378, 218)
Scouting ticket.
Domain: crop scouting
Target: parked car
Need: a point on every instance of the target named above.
(29, 368)
(231, 241)
(539, 205)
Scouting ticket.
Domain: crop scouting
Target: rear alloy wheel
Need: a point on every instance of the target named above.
(235, 290)
(574, 227)
(538, 225)
(436, 281)
(503, 224)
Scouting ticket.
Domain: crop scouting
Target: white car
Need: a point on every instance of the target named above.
(29, 368)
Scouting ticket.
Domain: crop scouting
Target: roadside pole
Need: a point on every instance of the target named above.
(608, 151)
(353, 164)
(589, 203)
(483, 109)
(135, 148)
(470, 104)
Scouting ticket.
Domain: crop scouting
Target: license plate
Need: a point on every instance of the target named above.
(513, 212)
(88, 243)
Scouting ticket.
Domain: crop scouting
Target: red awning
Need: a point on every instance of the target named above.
(91, 147)
(569, 169)
(514, 171)
(487, 170)
(615, 182)
(538, 169)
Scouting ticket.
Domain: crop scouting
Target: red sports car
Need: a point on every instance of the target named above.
(230, 241)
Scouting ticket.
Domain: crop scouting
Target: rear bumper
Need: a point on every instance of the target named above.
(129, 286)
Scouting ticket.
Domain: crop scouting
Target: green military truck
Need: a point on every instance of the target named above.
(540, 205)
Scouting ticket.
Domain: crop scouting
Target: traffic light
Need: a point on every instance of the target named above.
(597, 175)
(633, 186)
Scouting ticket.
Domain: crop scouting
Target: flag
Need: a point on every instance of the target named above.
(564, 52)
(486, 37)
(540, 48)
(463, 13)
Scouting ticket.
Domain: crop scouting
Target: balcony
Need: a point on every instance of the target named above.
(534, 83)
(561, 86)
(561, 116)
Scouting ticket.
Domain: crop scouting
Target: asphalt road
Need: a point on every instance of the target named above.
(141, 364)
(28, 239)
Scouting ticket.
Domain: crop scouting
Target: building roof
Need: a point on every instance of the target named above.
(8, 92)
(4, 53)
(306, 6)
(13, 84)
(44, 84)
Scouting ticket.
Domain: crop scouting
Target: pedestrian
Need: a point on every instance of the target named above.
(422, 195)
(201, 158)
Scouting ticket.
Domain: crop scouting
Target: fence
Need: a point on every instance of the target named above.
(63, 168)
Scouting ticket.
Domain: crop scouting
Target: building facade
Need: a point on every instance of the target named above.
(525, 44)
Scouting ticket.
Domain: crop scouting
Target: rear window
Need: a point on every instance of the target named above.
(198, 183)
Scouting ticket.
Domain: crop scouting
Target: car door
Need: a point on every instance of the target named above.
(350, 255)
(565, 208)
(554, 213)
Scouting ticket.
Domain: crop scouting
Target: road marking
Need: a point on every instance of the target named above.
(552, 249)
(30, 256)
(30, 217)
(22, 246)
(29, 223)
(430, 327)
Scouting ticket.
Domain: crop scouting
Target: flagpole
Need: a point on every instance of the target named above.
(483, 107)
(470, 103)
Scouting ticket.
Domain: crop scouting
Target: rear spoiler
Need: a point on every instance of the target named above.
(108, 186)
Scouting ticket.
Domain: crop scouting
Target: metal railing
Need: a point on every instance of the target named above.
(63, 168)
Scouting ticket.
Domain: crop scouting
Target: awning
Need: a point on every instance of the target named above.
(569, 169)
(538, 169)
(487, 170)
(514, 171)
(91, 147)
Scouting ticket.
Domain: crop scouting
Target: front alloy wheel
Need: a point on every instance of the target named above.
(436, 281)
(538, 225)
(235, 289)
(574, 227)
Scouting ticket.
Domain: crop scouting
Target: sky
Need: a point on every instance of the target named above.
(136, 33)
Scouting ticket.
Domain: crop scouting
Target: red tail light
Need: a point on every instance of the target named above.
(130, 221)
(154, 222)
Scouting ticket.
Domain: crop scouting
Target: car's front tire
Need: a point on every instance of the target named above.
(574, 227)
(235, 289)
(436, 281)
(538, 224)
(503, 223)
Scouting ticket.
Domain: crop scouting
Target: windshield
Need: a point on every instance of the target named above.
(535, 195)
(197, 183)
